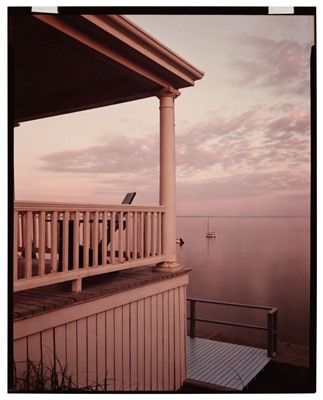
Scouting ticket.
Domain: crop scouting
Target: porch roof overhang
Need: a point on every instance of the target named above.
(68, 63)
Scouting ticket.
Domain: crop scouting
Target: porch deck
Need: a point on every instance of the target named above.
(228, 365)
(39, 300)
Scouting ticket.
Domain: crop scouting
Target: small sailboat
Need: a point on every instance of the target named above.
(210, 234)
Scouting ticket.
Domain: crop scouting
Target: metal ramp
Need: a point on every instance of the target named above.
(228, 365)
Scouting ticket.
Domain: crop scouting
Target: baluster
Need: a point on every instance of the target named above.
(128, 231)
(54, 243)
(159, 233)
(146, 234)
(95, 241)
(100, 228)
(66, 218)
(41, 243)
(28, 243)
(153, 235)
(141, 235)
(47, 232)
(76, 240)
(134, 234)
(35, 231)
(19, 231)
(22, 222)
(86, 238)
(112, 237)
(91, 236)
(120, 236)
(104, 237)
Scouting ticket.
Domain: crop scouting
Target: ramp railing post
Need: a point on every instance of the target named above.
(192, 318)
(272, 332)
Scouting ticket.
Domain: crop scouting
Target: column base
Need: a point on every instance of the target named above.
(168, 266)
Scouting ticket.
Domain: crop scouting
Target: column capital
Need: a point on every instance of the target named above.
(168, 92)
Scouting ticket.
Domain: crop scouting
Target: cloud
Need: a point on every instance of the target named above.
(218, 141)
(281, 65)
(290, 123)
(117, 155)
(245, 185)
(247, 155)
(249, 141)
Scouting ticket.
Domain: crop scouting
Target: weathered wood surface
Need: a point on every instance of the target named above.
(42, 299)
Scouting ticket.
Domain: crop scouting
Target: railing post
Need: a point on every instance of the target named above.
(76, 285)
(192, 318)
(272, 332)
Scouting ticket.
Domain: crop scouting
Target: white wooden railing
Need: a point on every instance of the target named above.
(56, 242)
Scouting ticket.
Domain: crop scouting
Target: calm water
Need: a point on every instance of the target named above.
(257, 260)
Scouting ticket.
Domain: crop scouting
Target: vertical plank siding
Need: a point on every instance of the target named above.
(160, 342)
(71, 350)
(82, 352)
(154, 340)
(20, 354)
(183, 331)
(137, 346)
(91, 349)
(134, 346)
(141, 344)
(101, 348)
(118, 348)
(147, 343)
(126, 347)
(110, 349)
(60, 348)
(48, 355)
(166, 340)
(171, 339)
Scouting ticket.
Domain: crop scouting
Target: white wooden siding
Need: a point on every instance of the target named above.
(134, 341)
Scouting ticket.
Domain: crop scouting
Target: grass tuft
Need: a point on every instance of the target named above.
(39, 377)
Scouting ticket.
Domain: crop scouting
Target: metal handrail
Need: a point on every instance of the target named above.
(271, 327)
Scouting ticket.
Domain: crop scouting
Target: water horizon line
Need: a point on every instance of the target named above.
(242, 216)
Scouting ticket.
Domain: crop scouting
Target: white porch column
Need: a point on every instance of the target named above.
(167, 180)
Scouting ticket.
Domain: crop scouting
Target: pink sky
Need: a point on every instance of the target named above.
(242, 133)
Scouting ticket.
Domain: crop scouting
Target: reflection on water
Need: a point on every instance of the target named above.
(256, 260)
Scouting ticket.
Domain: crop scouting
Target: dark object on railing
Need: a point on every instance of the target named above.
(127, 200)
(271, 327)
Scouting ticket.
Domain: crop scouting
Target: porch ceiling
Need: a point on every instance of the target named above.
(68, 63)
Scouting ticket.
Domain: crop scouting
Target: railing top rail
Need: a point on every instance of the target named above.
(50, 206)
(224, 303)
